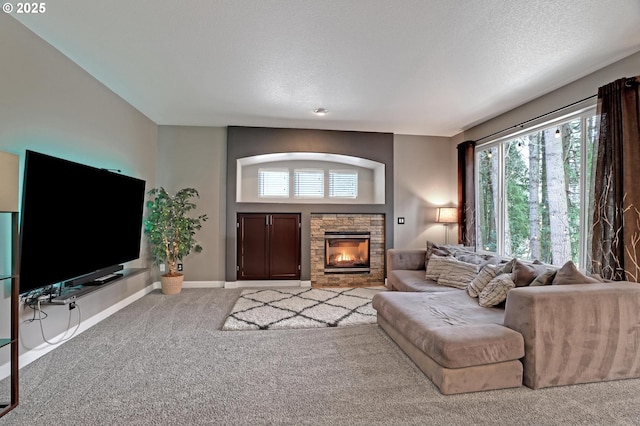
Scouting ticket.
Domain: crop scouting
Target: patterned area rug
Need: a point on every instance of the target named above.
(271, 309)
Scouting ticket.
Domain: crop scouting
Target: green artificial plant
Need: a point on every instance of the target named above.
(170, 231)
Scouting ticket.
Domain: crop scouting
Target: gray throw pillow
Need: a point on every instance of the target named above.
(569, 274)
(435, 249)
(524, 273)
(464, 256)
(507, 268)
(544, 279)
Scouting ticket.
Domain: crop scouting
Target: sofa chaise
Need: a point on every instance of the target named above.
(543, 336)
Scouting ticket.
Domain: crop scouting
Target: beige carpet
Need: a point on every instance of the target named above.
(163, 360)
(269, 309)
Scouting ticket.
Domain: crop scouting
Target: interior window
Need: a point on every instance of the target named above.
(308, 183)
(273, 183)
(343, 183)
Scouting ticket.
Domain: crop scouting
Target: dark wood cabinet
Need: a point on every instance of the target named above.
(284, 246)
(268, 246)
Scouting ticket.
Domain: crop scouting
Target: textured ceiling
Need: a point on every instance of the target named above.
(428, 67)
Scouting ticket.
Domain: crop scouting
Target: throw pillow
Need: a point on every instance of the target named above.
(444, 249)
(468, 257)
(494, 260)
(459, 274)
(435, 249)
(524, 273)
(544, 279)
(507, 268)
(569, 274)
(496, 291)
(436, 266)
(466, 254)
(486, 274)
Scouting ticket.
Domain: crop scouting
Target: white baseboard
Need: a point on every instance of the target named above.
(201, 284)
(43, 349)
(194, 284)
(269, 283)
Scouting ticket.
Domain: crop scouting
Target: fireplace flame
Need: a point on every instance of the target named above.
(346, 254)
(344, 257)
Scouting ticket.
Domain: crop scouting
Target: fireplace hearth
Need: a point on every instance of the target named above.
(346, 252)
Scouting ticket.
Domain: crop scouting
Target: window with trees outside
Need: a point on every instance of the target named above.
(532, 191)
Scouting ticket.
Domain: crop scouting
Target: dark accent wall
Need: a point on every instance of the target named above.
(249, 141)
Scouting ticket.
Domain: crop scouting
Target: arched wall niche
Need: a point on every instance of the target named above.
(371, 176)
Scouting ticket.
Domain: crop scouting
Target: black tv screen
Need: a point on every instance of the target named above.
(75, 220)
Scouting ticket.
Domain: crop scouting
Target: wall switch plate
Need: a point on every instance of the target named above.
(162, 267)
(401, 221)
(179, 266)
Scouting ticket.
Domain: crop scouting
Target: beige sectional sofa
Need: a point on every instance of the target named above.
(544, 336)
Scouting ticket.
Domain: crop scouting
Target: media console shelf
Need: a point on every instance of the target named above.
(10, 401)
(71, 294)
(9, 278)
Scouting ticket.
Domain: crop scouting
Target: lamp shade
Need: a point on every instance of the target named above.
(447, 215)
(8, 182)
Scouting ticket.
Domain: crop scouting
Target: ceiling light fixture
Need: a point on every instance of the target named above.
(321, 111)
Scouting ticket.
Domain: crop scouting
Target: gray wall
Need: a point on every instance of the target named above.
(49, 104)
(249, 141)
(425, 178)
(196, 157)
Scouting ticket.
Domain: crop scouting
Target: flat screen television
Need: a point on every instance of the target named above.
(75, 220)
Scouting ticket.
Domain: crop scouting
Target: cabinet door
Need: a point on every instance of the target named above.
(284, 246)
(253, 246)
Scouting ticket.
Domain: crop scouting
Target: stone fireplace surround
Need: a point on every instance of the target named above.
(344, 222)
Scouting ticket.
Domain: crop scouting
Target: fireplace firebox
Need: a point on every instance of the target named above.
(346, 252)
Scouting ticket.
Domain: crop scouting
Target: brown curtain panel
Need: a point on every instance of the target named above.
(466, 193)
(615, 242)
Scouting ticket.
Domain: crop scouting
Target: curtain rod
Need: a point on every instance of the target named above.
(536, 118)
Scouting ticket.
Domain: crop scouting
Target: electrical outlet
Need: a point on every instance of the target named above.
(401, 221)
(162, 267)
(179, 266)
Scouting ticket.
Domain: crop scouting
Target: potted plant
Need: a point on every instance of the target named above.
(170, 232)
